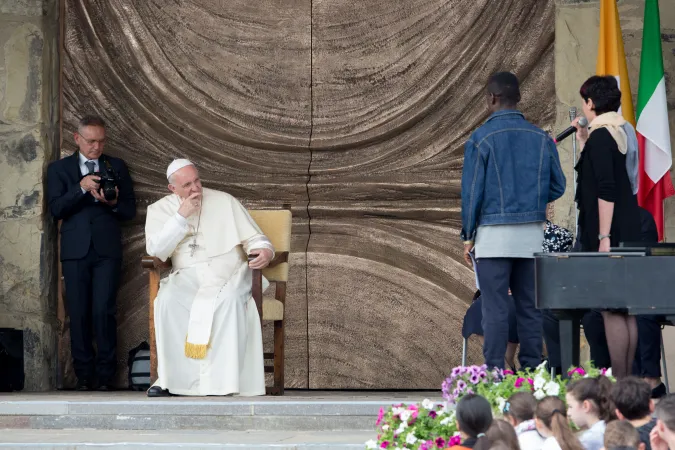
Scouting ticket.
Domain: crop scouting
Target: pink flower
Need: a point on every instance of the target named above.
(414, 409)
(454, 440)
(384, 444)
(380, 416)
(519, 382)
(603, 371)
(508, 372)
(428, 445)
(578, 370)
(440, 442)
(531, 381)
(432, 414)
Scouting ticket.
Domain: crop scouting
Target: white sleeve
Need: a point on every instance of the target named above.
(259, 241)
(164, 242)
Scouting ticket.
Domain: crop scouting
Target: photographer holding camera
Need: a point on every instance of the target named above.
(91, 193)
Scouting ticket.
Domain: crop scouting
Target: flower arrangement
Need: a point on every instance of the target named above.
(425, 427)
(431, 426)
(498, 385)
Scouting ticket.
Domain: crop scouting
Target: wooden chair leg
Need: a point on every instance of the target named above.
(279, 357)
(153, 287)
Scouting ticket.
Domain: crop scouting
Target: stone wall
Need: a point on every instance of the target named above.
(29, 101)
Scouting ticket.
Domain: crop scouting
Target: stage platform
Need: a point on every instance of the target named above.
(298, 420)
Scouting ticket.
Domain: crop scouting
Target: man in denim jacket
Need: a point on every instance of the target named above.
(511, 172)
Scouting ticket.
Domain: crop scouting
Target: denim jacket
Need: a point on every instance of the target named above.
(511, 172)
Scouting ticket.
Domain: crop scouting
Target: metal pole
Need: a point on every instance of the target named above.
(573, 115)
(464, 353)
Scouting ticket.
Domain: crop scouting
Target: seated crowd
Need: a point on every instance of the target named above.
(609, 416)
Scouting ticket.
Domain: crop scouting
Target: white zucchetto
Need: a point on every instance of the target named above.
(177, 164)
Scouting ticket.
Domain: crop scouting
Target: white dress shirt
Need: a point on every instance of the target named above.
(84, 170)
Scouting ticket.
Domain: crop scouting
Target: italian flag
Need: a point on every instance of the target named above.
(655, 184)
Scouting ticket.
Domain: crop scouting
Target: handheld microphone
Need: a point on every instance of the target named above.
(583, 122)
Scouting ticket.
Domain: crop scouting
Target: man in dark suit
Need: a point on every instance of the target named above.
(91, 248)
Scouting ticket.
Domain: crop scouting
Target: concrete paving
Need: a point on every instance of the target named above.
(300, 420)
(302, 411)
(86, 439)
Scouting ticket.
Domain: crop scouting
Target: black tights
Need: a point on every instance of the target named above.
(622, 336)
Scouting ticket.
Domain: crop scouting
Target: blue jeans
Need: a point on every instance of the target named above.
(496, 276)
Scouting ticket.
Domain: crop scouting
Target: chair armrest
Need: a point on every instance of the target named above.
(152, 262)
(279, 258)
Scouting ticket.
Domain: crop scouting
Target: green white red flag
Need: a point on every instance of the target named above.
(655, 184)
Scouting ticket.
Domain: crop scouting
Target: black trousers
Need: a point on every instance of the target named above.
(594, 330)
(91, 291)
(495, 276)
(647, 362)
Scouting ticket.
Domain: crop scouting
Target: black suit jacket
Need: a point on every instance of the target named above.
(84, 220)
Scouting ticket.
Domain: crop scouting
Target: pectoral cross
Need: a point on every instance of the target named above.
(193, 248)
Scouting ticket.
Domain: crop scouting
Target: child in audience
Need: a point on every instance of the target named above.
(662, 436)
(474, 417)
(620, 434)
(519, 412)
(589, 406)
(551, 421)
(502, 431)
(632, 399)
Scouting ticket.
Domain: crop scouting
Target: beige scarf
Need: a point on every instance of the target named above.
(612, 122)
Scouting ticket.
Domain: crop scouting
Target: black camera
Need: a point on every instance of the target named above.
(108, 181)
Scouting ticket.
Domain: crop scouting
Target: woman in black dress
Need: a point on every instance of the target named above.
(608, 210)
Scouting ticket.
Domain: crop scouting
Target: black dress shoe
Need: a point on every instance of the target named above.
(83, 385)
(105, 387)
(156, 391)
(659, 391)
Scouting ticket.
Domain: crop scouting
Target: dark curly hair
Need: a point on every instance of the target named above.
(604, 91)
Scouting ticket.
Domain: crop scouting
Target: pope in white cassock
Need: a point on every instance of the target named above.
(207, 326)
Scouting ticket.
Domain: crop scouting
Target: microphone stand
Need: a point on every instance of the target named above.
(573, 115)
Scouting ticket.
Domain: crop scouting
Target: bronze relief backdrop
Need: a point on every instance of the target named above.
(352, 112)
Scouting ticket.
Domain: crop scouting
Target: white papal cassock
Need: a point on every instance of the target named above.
(207, 326)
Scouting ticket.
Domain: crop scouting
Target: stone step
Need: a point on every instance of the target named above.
(253, 440)
(133, 411)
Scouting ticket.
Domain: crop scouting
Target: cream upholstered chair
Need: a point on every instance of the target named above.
(276, 225)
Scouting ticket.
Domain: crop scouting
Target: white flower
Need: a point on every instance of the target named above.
(501, 402)
(609, 372)
(446, 421)
(410, 439)
(541, 367)
(428, 404)
(405, 415)
(539, 382)
(371, 444)
(401, 428)
(552, 388)
(385, 427)
(397, 411)
(539, 394)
